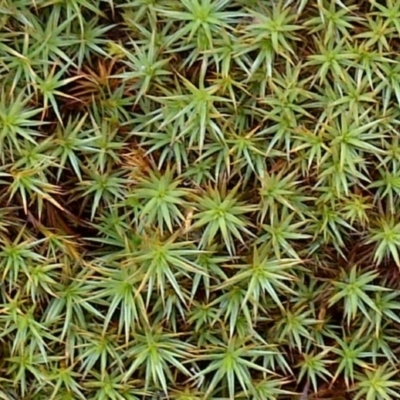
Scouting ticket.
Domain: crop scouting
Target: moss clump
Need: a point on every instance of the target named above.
(199, 199)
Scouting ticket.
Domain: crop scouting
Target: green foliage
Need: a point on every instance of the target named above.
(199, 199)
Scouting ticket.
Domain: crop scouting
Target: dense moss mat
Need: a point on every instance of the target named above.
(199, 199)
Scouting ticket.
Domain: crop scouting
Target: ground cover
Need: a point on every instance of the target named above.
(199, 199)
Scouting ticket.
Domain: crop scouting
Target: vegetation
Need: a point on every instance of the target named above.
(199, 199)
